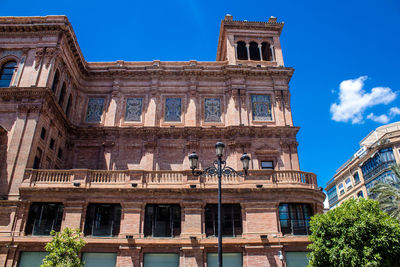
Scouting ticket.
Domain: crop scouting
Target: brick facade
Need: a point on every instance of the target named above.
(75, 138)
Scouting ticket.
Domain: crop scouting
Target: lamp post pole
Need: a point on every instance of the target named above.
(219, 211)
(219, 169)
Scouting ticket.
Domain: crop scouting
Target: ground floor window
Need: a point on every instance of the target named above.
(161, 260)
(103, 219)
(44, 217)
(99, 259)
(31, 259)
(295, 218)
(296, 259)
(228, 259)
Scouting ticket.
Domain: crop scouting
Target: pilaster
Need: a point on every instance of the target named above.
(131, 219)
(73, 212)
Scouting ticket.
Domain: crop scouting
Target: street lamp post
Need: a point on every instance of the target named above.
(220, 169)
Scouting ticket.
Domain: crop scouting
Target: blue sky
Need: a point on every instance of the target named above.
(327, 42)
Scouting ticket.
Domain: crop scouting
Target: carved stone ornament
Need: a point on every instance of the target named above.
(38, 56)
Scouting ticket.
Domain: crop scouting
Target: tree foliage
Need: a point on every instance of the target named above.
(388, 195)
(357, 233)
(64, 249)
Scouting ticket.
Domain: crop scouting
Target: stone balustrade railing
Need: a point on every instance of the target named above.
(163, 179)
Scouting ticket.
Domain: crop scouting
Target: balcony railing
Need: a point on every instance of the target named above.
(163, 179)
(378, 170)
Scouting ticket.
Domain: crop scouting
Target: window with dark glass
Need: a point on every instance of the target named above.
(60, 153)
(56, 80)
(356, 177)
(360, 194)
(231, 215)
(43, 133)
(43, 218)
(62, 94)
(103, 219)
(341, 189)
(52, 142)
(69, 103)
(267, 165)
(295, 218)
(36, 161)
(162, 220)
(6, 73)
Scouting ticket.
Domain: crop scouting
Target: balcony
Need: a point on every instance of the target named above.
(84, 178)
(383, 166)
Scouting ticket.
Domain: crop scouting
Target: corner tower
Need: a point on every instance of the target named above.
(250, 43)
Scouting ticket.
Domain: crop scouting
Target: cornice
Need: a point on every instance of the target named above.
(285, 133)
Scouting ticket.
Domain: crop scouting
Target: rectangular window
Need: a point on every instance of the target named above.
(94, 110)
(212, 110)
(52, 142)
(133, 111)
(261, 107)
(173, 109)
(161, 260)
(231, 219)
(29, 259)
(294, 259)
(162, 220)
(102, 219)
(295, 218)
(348, 183)
(228, 259)
(99, 259)
(36, 160)
(44, 217)
(60, 153)
(43, 133)
(267, 165)
(356, 177)
(341, 189)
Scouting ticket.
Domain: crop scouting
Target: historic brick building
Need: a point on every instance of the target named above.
(103, 146)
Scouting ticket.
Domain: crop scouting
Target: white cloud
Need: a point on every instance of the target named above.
(326, 203)
(393, 112)
(381, 119)
(353, 100)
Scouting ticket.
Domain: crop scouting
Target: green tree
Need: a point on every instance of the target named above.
(388, 195)
(357, 233)
(64, 249)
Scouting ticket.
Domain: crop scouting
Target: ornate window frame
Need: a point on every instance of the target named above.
(202, 110)
(123, 111)
(250, 109)
(183, 109)
(102, 118)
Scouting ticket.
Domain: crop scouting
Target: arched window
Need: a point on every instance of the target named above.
(266, 51)
(6, 73)
(69, 104)
(56, 80)
(254, 51)
(241, 50)
(62, 94)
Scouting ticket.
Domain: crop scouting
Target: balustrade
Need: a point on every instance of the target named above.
(152, 178)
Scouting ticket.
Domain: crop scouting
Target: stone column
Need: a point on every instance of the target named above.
(294, 157)
(243, 107)
(131, 220)
(288, 111)
(248, 51)
(191, 117)
(260, 50)
(192, 212)
(73, 213)
(110, 118)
